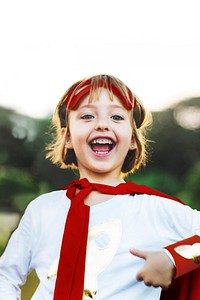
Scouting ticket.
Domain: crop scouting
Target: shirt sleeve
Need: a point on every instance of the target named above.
(16, 261)
(185, 252)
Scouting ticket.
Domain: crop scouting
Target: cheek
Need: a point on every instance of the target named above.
(131, 130)
(127, 132)
(78, 137)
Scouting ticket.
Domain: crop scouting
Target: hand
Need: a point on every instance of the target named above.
(158, 270)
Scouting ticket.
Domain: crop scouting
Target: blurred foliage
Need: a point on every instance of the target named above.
(173, 166)
(14, 182)
(176, 139)
(191, 190)
(24, 171)
(157, 179)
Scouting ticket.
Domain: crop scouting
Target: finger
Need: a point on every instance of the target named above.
(139, 276)
(139, 253)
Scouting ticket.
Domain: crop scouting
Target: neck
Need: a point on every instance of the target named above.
(103, 179)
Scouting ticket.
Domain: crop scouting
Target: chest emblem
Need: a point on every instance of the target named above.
(102, 245)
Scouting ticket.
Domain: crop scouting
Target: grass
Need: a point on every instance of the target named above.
(30, 286)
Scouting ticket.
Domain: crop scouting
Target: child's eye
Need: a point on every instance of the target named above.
(87, 117)
(117, 118)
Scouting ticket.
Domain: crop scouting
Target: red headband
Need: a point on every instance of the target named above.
(79, 92)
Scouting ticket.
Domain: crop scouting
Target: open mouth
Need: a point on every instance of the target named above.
(102, 145)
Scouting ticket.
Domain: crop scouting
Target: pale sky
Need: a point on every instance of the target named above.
(45, 46)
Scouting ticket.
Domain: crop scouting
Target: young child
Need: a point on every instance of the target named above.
(82, 240)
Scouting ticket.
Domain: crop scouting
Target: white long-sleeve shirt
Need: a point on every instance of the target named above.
(142, 222)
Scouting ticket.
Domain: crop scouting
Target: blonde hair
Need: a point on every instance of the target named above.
(57, 151)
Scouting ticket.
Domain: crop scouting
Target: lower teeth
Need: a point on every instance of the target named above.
(99, 152)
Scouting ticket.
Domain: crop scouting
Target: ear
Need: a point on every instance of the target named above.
(67, 137)
(68, 142)
(63, 131)
(133, 144)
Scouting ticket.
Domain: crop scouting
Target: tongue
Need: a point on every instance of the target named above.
(101, 148)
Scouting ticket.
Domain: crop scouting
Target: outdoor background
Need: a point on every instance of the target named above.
(173, 167)
(47, 45)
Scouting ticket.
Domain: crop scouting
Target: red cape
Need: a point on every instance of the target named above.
(186, 287)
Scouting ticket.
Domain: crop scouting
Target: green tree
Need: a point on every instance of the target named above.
(14, 182)
(191, 188)
(175, 148)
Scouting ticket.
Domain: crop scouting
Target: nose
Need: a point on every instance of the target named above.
(102, 125)
(102, 128)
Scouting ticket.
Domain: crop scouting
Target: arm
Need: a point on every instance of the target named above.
(177, 259)
(159, 270)
(16, 261)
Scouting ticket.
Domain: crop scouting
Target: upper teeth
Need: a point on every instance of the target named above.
(102, 141)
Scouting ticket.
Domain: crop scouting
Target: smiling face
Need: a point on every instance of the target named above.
(100, 133)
